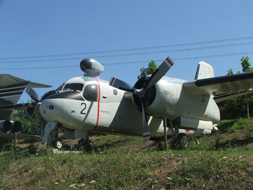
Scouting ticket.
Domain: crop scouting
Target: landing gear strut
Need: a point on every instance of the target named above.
(82, 143)
(55, 141)
(177, 140)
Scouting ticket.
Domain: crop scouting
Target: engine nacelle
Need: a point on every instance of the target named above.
(194, 124)
(10, 126)
(16, 127)
(168, 99)
(158, 99)
(6, 126)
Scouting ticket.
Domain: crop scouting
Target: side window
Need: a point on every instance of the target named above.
(90, 92)
(73, 86)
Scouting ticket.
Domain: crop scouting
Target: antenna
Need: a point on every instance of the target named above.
(91, 67)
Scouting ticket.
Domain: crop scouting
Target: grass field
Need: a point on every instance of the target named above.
(221, 161)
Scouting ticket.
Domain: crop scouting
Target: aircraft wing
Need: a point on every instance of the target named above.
(11, 88)
(19, 106)
(229, 86)
(9, 80)
(19, 136)
(225, 97)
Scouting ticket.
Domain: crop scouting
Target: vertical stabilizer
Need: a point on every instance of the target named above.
(204, 71)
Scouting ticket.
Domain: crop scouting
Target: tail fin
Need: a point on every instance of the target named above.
(204, 71)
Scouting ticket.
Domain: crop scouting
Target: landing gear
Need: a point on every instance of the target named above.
(55, 141)
(52, 127)
(183, 140)
(58, 144)
(178, 140)
(82, 143)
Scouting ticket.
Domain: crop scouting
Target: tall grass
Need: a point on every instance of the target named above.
(117, 162)
(157, 170)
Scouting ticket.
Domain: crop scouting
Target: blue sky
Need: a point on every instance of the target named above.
(44, 41)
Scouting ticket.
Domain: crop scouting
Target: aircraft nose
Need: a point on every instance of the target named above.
(50, 109)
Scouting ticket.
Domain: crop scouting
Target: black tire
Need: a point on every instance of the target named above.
(58, 144)
(183, 140)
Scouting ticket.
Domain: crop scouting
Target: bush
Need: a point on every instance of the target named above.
(233, 125)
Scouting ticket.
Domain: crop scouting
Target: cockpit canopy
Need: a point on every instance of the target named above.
(73, 87)
(89, 91)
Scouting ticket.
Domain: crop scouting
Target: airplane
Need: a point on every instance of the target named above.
(156, 106)
(11, 89)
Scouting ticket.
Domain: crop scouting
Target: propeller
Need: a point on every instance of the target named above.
(146, 133)
(34, 95)
(142, 92)
(159, 73)
(33, 107)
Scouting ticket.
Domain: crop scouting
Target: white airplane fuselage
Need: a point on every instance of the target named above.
(108, 109)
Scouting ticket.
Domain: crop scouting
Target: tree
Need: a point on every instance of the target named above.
(31, 123)
(246, 68)
(246, 65)
(230, 72)
(152, 66)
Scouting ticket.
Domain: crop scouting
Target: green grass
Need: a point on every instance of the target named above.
(233, 125)
(221, 161)
(159, 169)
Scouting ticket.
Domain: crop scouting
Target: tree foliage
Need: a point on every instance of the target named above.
(152, 66)
(31, 123)
(246, 65)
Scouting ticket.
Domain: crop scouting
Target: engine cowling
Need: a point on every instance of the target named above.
(149, 95)
(168, 99)
(6, 126)
(158, 99)
(16, 127)
(10, 126)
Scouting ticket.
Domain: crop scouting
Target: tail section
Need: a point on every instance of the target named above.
(204, 71)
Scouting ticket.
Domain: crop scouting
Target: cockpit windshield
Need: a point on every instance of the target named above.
(73, 87)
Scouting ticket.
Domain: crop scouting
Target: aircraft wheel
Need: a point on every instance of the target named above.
(58, 144)
(175, 144)
(183, 140)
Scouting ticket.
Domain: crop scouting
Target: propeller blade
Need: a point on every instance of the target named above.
(146, 134)
(159, 73)
(33, 94)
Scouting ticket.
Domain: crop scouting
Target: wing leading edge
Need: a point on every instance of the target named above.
(9, 80)
(223, 87)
